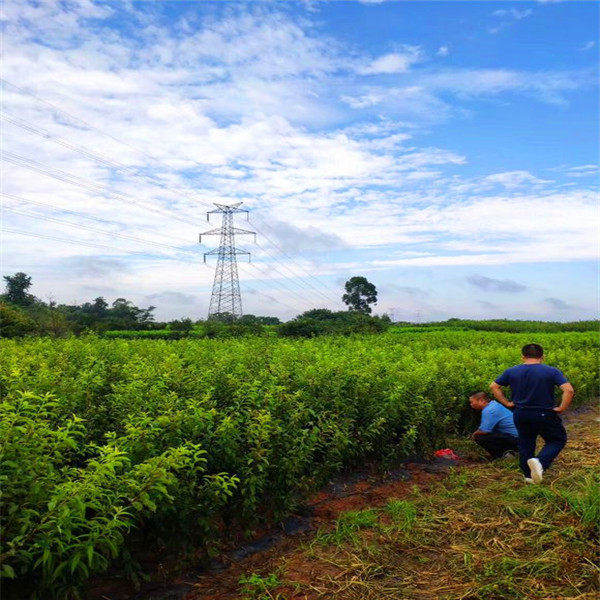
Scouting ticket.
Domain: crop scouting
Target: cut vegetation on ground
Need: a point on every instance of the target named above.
(478, 533)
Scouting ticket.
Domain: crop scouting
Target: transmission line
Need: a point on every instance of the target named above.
(84, 183)
(81, 215)
(78, 181)
(113, 164)
(77, 242)
(269, 297)
(94, 229)
(32, 128)
(98, 157)
(304, 287)
(271, 268)
(288, 256)
(74, 118)
(281, 285)
(75, 180)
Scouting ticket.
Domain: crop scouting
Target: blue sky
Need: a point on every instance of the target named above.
(446, 150)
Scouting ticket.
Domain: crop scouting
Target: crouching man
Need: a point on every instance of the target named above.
(497, 432)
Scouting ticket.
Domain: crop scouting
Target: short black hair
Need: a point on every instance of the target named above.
(532, 351)
(480, 396)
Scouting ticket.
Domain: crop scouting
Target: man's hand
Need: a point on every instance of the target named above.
(499, 395)
(567, 396)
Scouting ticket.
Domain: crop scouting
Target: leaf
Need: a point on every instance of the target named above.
(75, 562)
(90, 554)
(7, 571)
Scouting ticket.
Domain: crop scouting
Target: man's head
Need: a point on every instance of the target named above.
(479, 401)
(532, 352)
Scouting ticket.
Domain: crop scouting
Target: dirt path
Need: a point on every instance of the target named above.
(428, 532)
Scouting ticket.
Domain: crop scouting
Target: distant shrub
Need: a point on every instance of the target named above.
(322, 321)
(181, 325)
(506, 325)
(14, 322)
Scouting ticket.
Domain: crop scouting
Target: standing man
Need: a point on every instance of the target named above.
(497, 432)
(532, 396)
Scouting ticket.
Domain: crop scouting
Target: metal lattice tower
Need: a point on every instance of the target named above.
(226, 300)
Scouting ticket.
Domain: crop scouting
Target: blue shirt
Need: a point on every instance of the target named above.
(497, 418)
(532, 386)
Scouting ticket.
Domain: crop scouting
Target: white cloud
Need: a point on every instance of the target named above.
(443, 51)
(256, 107)
(513, 179)
(580, 171)
(588, 45)
(395, 62)
(513, 13)
(508, 15)
(547, 86)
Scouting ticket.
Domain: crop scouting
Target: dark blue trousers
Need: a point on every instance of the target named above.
(531, 422)
(497, 443)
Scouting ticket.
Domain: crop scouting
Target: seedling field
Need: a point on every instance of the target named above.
(116, 448)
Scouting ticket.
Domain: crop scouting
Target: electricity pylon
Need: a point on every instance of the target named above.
(226, 300)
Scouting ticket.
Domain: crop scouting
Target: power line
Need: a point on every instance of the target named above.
(305, 287)
(281, 285)
(90, 185)
(80, 214)
(286, 254)
(77, 181)
(93, 245)
(102, 159)
(98, 157)
(113, 164)
(74, 118)
(272, 269)
(71, 179)
(70, 241)
(74, 180)
(269, 297)
(32, 128)
(94, 229)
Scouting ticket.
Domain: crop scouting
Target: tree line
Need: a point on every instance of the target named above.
(22, 313)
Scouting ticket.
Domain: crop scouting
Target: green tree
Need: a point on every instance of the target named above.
(16, 289)
(99, 307)
(15, 322)
(360, 293)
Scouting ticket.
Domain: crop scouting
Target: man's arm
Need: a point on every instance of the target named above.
(567, 395)
(499, 395)
(489, 418)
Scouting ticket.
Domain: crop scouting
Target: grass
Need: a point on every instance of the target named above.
(403, 514)
(346, 527)
(478, 534)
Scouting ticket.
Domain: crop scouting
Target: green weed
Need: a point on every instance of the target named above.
(255, 587)
(347, 526)
(402, 513)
